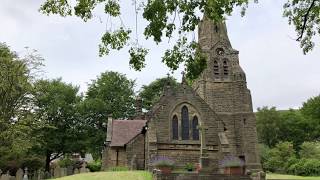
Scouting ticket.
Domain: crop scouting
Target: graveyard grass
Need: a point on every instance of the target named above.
(112, 175)
(144, 175)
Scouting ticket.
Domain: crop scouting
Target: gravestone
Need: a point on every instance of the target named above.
(63, 172)
(5, 176)
(19, 174)
(25, 176)
(76, 171)
(47, 175)
(40, 175)
(83, 169)
(56, 172)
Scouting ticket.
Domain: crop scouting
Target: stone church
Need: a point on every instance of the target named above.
(203, 124)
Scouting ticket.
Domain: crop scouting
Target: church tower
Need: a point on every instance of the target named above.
(223, 86)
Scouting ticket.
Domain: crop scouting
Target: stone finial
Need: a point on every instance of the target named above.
(138, 107)
(183, 80)
(109, 129)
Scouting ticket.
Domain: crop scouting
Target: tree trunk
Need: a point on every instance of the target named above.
(48, 156)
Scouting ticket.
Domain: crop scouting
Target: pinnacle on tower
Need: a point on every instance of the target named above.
(210, 33)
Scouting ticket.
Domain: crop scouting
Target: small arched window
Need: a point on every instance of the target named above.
(195, 130)
(216, 68)
(225, 68)
(184, 123)
(175, 134)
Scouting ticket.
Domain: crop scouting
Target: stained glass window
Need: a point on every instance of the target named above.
(195, 130)
(175, 134)
(184, 123)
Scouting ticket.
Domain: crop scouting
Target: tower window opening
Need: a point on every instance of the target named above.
(216, 68)
(225, 68)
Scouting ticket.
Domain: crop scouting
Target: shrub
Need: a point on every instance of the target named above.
(189, 166)
(306, 167)
(280, 158)
(94, 166)
(162, 161)
(66, 162)
(310, 150)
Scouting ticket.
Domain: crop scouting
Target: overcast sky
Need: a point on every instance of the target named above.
(278, 74)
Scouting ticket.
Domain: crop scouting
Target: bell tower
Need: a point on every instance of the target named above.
(223, 86)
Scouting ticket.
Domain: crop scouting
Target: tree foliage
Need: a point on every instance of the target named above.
(162, 17)
(116, 91)
(55, 107)
(152, 92)
(17, 124)
(111, 94)
(168, 18)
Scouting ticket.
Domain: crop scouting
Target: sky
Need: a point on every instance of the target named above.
(278, 74)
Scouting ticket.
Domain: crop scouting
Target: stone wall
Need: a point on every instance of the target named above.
(136, 153)
(110, 156)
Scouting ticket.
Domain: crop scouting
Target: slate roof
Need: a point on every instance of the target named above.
(125, 130)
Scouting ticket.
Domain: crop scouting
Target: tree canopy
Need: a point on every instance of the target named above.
(55, 107)
(168, 18)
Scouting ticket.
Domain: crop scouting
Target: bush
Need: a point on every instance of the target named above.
(189, 166)
(310, 150)
(94, 166)
(66, 162)
(280, 158)
(162, 161)
(306, 167)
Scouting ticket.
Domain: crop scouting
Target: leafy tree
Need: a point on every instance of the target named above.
(151, 93)
(268, 129)
(111, 94)
(310, 150)
(280, 157)
(115, 91)
(55, 107)
(162, 17)
(294, 127)
(311, 111)
(16, 121)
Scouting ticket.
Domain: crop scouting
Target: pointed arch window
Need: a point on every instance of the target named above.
(195, 130)
(216, 68)
(225, 68)
(184, 123)
(175, 134)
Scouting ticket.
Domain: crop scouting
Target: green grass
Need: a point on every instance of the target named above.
(119, 175)
(144, 175)
(291, 177)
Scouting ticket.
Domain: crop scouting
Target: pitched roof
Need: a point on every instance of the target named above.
(125, 130)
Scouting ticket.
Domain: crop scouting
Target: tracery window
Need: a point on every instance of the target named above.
(184, 123)
(175, 134)
(216, 68)
(225, 68)
(195, 130)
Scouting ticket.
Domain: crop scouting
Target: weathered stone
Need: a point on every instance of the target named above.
(57, 172)
(76, 171)
(19, 174)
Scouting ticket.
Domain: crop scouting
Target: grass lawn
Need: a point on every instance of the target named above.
(291, 177)
(115, 175)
